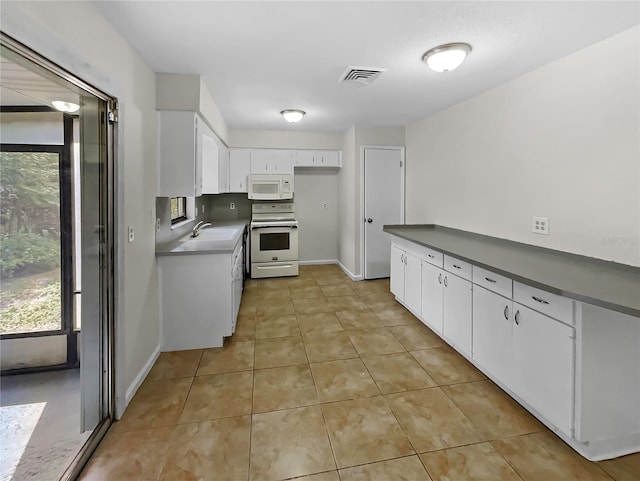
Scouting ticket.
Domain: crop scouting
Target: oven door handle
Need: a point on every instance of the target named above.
(282, 226)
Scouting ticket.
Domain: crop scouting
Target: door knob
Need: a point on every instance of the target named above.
(369, 220)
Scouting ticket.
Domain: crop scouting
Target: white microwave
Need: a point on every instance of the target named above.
(270, 187)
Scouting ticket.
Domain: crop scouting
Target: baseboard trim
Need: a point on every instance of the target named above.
(348, 272)
(137, 382)
(318, 262)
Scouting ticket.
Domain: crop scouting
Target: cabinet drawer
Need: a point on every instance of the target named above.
(494, 282)
(552, 305)
(457, 267)
(432, 257)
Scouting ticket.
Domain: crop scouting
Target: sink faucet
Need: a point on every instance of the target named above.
(198, 227)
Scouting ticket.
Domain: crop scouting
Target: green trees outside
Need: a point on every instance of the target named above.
(29, 242)
(29, 213)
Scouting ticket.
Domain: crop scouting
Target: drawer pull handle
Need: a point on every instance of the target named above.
(506, 312)
(541, 301)
(493, 281)
(445, 281)
(457, 266)
(431, 256)
(440, 278)
(517, 317)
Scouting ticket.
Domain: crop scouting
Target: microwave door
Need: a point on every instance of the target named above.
(265, 190)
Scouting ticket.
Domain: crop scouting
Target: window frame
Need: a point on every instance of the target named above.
(182, 216)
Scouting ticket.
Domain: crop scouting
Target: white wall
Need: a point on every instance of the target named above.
(562, 142)
(95, 52)
(23, 127)
(350, 190)
(347, 203)
(318, 227)
(189, 92)
(288, 139)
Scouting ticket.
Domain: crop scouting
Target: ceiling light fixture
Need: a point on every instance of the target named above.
(445, 58)
(293, 115)
(63, 106)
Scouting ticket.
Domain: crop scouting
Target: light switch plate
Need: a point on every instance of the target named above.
(540, 225)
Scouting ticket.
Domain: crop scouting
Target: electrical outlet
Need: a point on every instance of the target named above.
(157, 224)
(196, 212)
(540, 225)
(203, 208)
(132, 234)
(232, 205)
(324, 205)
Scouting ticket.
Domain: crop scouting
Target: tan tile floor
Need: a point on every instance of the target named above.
(327, 379)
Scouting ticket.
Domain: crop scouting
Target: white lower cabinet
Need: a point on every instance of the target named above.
(543, 360)
(397, 272)
(446, 306)
(493, 334)
(457, 312)
(200, 297)
(573, 365)
(406, 279)
(432, 306)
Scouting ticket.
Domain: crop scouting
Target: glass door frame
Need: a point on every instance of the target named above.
(108, 249)
(66, 240)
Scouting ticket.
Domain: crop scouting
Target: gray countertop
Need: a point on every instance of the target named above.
(607, 284)
(222, 237)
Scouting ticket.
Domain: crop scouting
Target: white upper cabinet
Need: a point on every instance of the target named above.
(179, 154)
(317, 158)
(271, 161)
(215, 162)
(239, 169)
(192, 160)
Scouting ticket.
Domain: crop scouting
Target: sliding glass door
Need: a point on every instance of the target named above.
(56, 261)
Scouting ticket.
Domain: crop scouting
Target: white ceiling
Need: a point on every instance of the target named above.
(21, 86)
(259, 58)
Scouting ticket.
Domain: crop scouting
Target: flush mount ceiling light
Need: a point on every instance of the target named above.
(445, 58)
(293, 115)
(63, 106)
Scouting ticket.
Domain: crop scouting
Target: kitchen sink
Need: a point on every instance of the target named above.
(212, 234)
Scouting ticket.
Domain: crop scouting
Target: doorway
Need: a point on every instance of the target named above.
(56, 266)
(383, 203)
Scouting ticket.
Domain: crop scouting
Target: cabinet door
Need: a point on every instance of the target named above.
(239, 168)
(457, 312)
(305, 158)
(543, 350)
(224, 167)
(261, 161)
(328, 158)
(281, 162)
(432, 296)
(493, 334)
(397, 272)
(413, 284)
(210, 161)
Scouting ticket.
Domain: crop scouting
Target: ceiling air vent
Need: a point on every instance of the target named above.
(362, 75)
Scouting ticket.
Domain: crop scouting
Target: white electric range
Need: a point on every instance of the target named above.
(274, 240)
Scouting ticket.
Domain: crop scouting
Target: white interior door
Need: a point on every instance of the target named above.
(383, 204)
